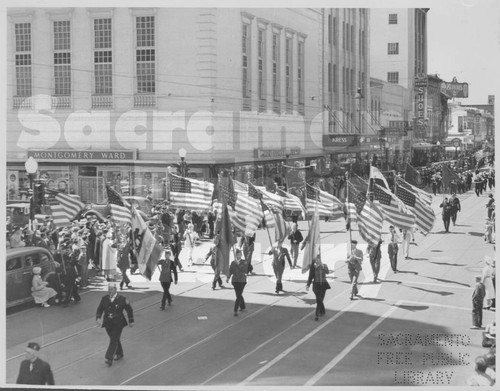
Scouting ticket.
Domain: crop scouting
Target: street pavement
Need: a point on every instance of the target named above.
(412, 328)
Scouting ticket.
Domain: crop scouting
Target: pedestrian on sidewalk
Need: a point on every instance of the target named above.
(455, 208)
(295, 238)
(477, 304)
(487, 276)
(375, 255)
(354, 267)
(33, 370)
(317, 276)
(279, 254)
(167, 267)
(110, 316)
(238, 272)
(392, 248)
(490, 206)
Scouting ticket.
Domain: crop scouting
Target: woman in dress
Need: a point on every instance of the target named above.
(39, 289)
(487, 280)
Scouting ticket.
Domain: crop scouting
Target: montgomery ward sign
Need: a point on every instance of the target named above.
(339, 140)
(82, 155)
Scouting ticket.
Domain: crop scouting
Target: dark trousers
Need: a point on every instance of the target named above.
(353, 272)
(446, 222)
(319, 292)
(238, 290)
(248, 257)
(177, 262)
(217, 280)
(476, 189)
(454, 216)
(375, 263)
(71, 292)
(477, 314)
(166, 293)
(115, 346)
(125, 280)
(392, 249)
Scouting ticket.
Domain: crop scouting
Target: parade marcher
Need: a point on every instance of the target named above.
(477, 304)
(176, 246)
(446, 213)
(33, 370)
(108, 260)
(212, 254)
(111, 309)
(392, 248)
(190, 238)
(279, 254)
(167, 267)
(317, 276)
(238, 272)
(375, 255)
(455, 207)
(434, 184)
(295, 238)
(408, 238)
(354, 267)
(487, 276)
(248, 246)
(478, 185)
(490, 206)
(124, 262)
(39, 289)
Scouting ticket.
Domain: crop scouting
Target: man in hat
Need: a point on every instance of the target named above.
(455, 207)
(354, 267)
(113, 320)
(490, 206)
(477, 304)
(33, 370)
(279, 254)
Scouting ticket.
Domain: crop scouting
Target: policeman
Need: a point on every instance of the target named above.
(113, 320)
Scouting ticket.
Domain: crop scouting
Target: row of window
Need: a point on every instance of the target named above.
(103, 58)
(348, 35)
(276, 67)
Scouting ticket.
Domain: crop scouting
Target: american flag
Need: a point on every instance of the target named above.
(328, 204)
(369, 218)
(244, 211)
(292, 202)
(424, 197)
(393, 209)
(64, 207)
(281, 227)
(424, 214)
(190, 194)
(119, 208)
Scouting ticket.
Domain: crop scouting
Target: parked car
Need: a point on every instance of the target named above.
(19, 213)
(20, 263)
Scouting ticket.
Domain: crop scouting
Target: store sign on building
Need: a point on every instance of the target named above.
(261, 153)
(339, 140)
(421, 88)
(69, 155)
(455, 89)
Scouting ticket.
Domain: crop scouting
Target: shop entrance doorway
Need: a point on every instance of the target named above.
(88, 189)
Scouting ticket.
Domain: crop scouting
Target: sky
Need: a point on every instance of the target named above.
(464, 42)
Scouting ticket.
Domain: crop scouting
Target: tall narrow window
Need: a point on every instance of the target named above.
(393, 48)
(23, 60)
(288, 73)
(335, 31)
(62, 58)
(300, 76)
(245, 50)
(343, 35)
(103, 81)
(330, 29)
(353, 39)
(393, 77)
(145, 55)
(335, 78)
(276, 76)
(330, 77)
(261, 60)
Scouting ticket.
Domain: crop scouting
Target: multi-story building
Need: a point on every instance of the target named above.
(110, 95)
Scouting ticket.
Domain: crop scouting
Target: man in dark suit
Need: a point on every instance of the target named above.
(34, 370)
(113, 320)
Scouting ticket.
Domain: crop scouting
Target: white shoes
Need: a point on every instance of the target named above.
(45, 305)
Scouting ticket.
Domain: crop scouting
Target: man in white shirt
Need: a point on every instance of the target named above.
(392, 248)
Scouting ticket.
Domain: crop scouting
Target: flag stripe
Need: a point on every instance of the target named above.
(119, 209)
(393, 209)
(187, 193)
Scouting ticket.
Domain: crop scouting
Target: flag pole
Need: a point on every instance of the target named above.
(316, 212)
(348, 212)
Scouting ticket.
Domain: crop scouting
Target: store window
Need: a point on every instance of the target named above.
(118, 178)
(148, 182)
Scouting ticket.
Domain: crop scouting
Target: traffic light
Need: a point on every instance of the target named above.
(38, 197)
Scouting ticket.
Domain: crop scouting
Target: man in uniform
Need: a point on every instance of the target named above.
(354, 267)
(113, 320)
(295, 238)
(392, 248)
(33, 370)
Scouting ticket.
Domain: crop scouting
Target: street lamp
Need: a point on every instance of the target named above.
(438, 144)
(182, 164)
(31, 166)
